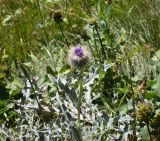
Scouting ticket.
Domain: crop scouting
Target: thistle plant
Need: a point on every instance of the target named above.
(78, 58)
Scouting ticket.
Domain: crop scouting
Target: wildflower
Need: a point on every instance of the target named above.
(144, 112)
(78, 56)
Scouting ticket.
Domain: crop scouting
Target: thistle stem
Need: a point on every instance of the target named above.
(101, 43)
(42, 20)
(96, 47)
(60, 27)
(132, 97)
(134, 109)
(79, 102)
(149, 131)
(29, 79)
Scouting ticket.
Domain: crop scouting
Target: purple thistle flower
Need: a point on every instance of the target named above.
(78, 51)
(78, 56)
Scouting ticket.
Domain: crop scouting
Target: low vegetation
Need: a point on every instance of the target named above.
(80, 70)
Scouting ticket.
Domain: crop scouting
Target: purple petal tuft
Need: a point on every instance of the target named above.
(78, 51)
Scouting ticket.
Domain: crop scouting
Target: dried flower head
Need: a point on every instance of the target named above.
(145, 111)
(93, 22)
(58, 17)
(78, 56)
(85, 36)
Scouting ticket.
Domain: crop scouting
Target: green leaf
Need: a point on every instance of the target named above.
(2, 104)
(144, 133)
(70, 92)
(18, 82)
(3, 67)
(101, 74)
(158, 86)
(3, 110)
(150, 95)
(34, 58)
(28, 64)
(10, 105)
(7, 19)
(2, 75)
(75, 134)
(50, 71)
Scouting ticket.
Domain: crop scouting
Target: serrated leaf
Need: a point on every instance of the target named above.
(144, 133)
(18, 82)
(70, 92)
(10, 105)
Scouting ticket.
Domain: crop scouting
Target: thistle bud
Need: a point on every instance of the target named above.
(78, 57)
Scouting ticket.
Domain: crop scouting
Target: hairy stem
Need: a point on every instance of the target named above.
(80, 101)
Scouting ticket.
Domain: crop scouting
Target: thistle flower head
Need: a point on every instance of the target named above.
(144, 112)
(78, 56)
(78, 51)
